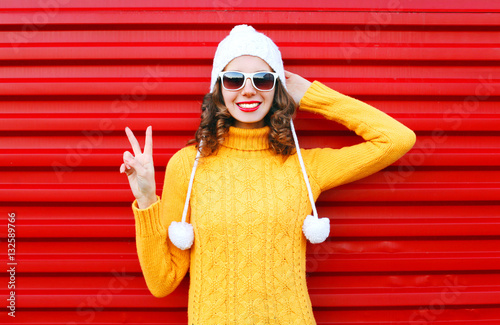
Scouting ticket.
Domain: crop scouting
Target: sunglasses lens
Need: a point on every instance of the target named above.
(263, 81)
(233, 80)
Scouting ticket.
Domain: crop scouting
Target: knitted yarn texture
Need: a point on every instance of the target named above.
(248, 261)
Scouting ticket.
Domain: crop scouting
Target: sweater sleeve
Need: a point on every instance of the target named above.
(163, 264)
(386, 139)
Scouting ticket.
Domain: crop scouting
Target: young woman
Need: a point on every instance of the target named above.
(249, 197)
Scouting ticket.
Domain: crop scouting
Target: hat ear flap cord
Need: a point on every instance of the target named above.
(316, 230)
(181, 234)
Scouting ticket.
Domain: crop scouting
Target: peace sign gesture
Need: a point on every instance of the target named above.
(140, 169)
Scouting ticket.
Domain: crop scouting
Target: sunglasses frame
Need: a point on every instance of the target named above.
(246, 76)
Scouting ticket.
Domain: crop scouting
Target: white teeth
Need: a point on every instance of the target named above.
(252, 105)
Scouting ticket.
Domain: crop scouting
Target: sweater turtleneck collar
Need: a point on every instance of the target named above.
(247, 139)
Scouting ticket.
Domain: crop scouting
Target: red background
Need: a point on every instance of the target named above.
(417, 243)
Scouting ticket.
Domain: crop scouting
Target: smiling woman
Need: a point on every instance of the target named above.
(246, 51)
(248, 105)
(249, 197)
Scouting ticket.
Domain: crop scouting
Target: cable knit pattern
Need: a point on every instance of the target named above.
(248, 261)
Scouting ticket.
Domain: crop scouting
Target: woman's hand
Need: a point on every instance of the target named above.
(140, 169)
(296, 86)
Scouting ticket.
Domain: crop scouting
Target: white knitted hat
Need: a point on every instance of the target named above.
(245, 40)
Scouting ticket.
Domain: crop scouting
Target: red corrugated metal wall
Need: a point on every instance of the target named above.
(417, 243)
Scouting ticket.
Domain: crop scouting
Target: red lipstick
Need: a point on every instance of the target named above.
(249, 106)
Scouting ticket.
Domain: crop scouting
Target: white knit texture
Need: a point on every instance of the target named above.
(315, 229)
(181, 234)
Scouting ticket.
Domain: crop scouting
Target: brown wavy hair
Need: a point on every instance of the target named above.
(216, 120)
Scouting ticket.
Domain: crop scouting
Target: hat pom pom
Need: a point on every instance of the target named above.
(181, 234)
(316, 230)
(242, 29)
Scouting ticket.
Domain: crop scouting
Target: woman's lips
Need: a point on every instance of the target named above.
(248, 106)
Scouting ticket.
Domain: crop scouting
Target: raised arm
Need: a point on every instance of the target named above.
(386, 139)
(163, 265)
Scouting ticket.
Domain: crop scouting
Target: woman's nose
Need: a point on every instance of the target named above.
(248, 88)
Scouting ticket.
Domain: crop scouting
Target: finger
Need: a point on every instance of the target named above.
(134, 164)
(288, 74)
(133, 142)
(124, 168)
(148, 147)
(127, 156)
(129, 172)
(126, 165)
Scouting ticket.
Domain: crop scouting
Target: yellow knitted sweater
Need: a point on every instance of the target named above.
(248, 261)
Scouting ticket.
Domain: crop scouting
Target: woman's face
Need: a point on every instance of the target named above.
(248, 105)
